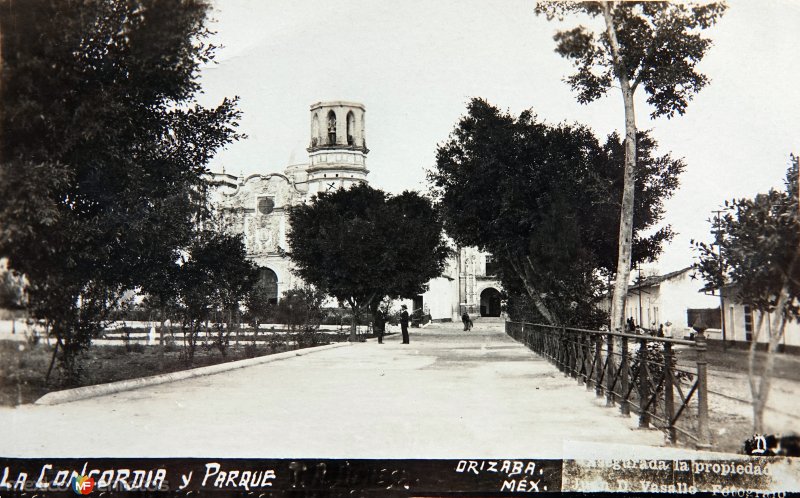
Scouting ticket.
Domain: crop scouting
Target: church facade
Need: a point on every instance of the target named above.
(257, 206)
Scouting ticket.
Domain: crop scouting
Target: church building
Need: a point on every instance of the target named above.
(257, 206)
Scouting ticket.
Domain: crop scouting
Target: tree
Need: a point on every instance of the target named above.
(360, 245)
(301, 311)
(215, 278)
(759, 248)
(656, 45)
(259, 305)
(540, 198)
(103, 151)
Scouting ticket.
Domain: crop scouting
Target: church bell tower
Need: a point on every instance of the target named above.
(338, 151)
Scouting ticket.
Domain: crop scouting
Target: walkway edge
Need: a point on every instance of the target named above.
(85, 392)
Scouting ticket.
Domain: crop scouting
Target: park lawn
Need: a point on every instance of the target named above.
(23, 367)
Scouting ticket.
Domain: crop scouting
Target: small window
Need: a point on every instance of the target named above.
(266, 205)
(748, 322)
(351, 128)
(314, 130)
(331, 128)
(491, 265)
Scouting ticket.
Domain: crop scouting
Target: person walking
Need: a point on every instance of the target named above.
(465, 320)
(404, 323)
(379, 324)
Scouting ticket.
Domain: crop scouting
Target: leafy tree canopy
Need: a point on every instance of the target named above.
(758, 251)
(660, 45)
(103, 148)
(757, 258)
(362, 244)
(656, 45)
(545, 201)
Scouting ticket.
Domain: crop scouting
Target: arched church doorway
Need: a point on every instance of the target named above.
(268, 284)
(490, 302)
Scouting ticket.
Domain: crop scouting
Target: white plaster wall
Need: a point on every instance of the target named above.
(681, 293)
(441, 298)
(672, 298)
(736, 330)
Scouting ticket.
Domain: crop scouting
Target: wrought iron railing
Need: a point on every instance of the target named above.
(646, 379)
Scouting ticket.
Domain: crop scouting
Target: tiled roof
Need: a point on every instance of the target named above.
(657, 279)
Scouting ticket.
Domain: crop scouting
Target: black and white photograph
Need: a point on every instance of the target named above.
(412, 248)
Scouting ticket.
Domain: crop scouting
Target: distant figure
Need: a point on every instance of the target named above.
(661, 330)
(465, 320)
(379, 325)
(404, 323)
(668, 330)
(631, 325)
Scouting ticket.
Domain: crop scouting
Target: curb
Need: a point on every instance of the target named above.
(85, 392)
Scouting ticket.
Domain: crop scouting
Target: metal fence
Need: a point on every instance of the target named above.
(633, 371)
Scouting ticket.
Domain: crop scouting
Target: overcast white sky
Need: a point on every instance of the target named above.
(415, 63)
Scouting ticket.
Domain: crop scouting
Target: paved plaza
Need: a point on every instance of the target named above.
(449, 394)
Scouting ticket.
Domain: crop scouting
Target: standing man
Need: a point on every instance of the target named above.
(465, 319)
(404, 323)
(379, 325)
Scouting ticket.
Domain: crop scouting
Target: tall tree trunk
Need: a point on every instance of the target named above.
(760, 404)
(629, 176)
(751, 369)
(761, 395)
(524, 273)
(353, 319)
(751, 357)
(52, 362)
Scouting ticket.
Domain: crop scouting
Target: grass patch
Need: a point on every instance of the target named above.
(23, 367)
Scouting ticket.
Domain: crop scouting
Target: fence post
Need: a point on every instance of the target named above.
(573, 353)
(669, 405)
(587, 363)
(644, 385)
(610, 370)
(624, 379)
(580, 358)
(704, 435)
(598, 358)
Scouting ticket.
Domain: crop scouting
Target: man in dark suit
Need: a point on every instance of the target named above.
(404, 323)
(379, 325)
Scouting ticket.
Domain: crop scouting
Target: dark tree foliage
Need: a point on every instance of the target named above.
(656, 45)
(300, 310)
(259, 305)
(757, 256)
(103, 150)
(545, 201)
(659, 45)
(360, 245)
(758, 243)
(214, 279)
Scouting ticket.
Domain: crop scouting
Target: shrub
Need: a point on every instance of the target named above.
(250, 350)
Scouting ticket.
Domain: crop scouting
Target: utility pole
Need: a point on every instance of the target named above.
(639, 270)
(718, 242)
